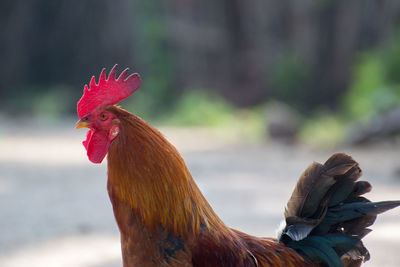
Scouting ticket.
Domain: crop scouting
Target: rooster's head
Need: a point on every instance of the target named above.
(92, 110)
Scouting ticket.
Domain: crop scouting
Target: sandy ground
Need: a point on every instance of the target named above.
(54, 209)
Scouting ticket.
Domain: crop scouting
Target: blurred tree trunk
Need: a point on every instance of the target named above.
(238, 47)
(300, 51)
(44, 42)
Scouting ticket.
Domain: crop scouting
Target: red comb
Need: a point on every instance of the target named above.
(108, 91)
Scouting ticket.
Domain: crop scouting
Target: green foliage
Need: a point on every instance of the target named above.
(197, 108)
(155, 59)
(374, 89)
(376, 84)
(324, 130)
(370, 92)
(148, 102)
(391, 58)
(289, 77)
(51, 103)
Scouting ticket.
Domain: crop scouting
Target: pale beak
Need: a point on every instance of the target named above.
(82, 124)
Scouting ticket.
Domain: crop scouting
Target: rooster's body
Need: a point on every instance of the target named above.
(164, 219)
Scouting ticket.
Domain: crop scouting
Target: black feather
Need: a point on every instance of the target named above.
(326, 217)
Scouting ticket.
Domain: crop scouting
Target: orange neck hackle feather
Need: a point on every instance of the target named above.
(147, 172)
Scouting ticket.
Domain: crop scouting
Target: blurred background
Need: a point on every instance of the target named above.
(250, 92)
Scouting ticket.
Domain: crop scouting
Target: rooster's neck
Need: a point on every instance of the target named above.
(146, 172)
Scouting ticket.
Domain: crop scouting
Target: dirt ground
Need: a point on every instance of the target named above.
(54, 209)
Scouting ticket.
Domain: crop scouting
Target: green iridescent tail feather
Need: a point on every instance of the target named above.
(326, 216)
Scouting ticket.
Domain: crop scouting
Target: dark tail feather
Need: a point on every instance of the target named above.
(326, 216)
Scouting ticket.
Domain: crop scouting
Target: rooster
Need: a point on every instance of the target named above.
(164, 219)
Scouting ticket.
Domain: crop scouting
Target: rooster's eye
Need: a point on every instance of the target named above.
(103, 116)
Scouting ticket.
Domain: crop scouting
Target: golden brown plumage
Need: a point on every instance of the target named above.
(165, 220)
(156, 199)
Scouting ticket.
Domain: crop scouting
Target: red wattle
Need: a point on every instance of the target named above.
(88, 136)
(96, 144)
